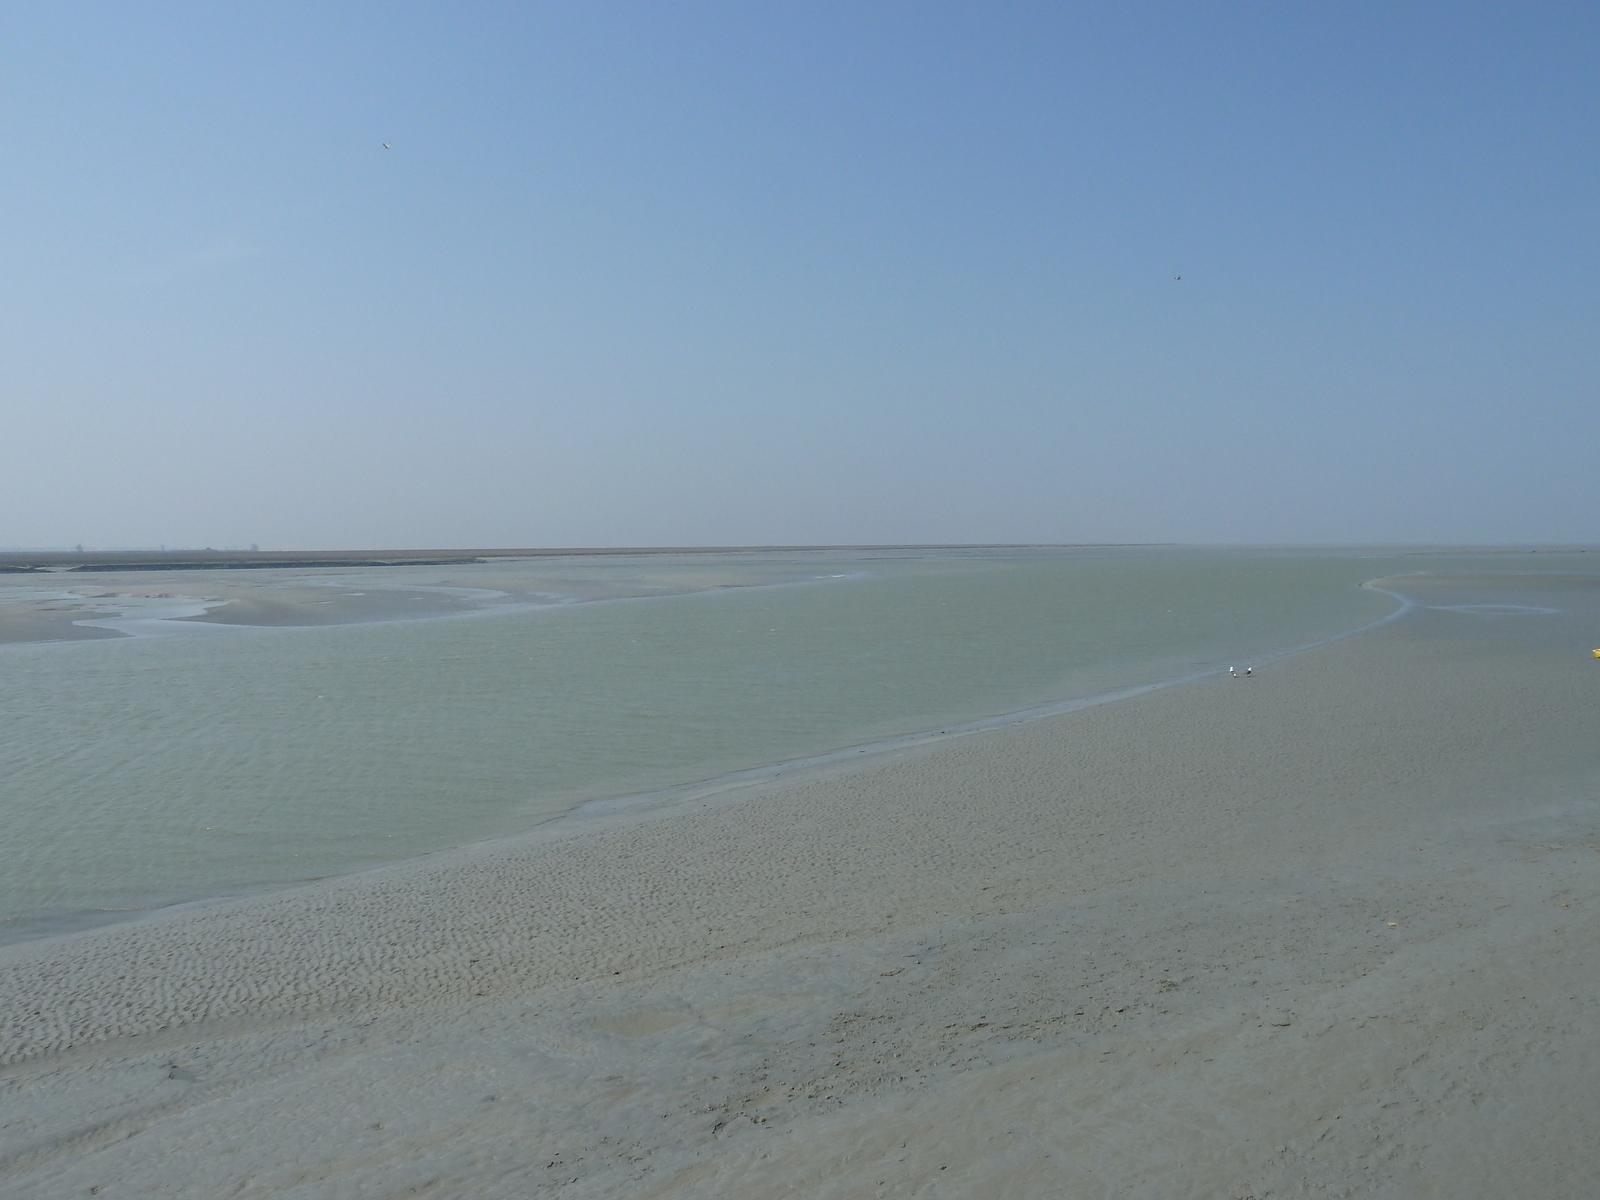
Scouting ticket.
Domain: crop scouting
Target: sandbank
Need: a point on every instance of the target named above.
(1332, 928)
(137, 599)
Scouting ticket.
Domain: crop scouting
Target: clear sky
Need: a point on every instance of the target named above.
(732, 273)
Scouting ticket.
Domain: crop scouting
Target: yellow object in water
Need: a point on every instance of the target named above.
(1597, 653)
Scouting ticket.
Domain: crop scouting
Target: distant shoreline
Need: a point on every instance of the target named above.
(16, 562)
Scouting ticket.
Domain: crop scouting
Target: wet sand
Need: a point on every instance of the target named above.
(1331, 929)
(49, 596)
(122, 606)
(88, 603)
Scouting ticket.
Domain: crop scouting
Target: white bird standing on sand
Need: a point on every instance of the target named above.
(1231, 671)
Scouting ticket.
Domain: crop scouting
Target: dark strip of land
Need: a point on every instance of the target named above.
(199, 560)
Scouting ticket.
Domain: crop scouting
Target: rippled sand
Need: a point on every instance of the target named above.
(1328, 929)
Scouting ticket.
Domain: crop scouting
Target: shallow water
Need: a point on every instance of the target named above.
(146, 771)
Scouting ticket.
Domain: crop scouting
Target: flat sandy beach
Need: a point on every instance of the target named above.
(1330, 930)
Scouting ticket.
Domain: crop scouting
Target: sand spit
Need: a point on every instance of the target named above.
(56, 596)
(135, 599)
(83, 607)
(1329, 930)
(58, 561)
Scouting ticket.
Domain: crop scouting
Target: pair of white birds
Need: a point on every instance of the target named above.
(1234, 671)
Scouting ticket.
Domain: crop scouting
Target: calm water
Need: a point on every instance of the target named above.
(141, 772)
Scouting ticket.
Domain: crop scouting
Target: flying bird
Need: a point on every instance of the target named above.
(386, 145)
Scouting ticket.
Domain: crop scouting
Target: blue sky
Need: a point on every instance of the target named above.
(706, 273)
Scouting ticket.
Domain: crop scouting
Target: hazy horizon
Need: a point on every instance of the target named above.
(801, 547)
(698, 275)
